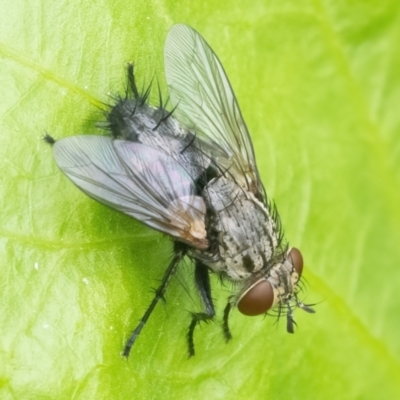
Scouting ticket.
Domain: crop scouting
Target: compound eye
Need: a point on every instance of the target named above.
(297, 260)
(257, 300)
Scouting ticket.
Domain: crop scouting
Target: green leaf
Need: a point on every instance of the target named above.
(318, 83)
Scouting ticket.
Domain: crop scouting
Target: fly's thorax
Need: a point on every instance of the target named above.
(276, 287)
(241, 232)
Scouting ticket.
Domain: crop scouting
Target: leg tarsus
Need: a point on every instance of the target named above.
(159, 295)
(225, 322)
(202, 280)
(197, 318)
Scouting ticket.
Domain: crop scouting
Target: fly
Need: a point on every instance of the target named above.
(191, 173)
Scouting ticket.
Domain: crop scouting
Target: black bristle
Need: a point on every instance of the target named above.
(131, 81)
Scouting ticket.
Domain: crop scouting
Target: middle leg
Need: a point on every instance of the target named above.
(202, 280)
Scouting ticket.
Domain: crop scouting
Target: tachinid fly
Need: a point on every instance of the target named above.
(191, 173)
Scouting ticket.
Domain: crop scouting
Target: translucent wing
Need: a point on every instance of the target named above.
(137, 180)
(205, 102)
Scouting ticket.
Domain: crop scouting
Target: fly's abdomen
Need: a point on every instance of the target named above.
(135, 120)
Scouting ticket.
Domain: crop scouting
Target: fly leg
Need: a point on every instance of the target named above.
(225, 322)
(202, 280)
(159, 295)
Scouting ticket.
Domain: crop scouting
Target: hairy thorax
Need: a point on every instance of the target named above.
(241, 232)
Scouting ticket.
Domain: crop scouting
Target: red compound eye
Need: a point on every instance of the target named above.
(297, 260)
(257, 300)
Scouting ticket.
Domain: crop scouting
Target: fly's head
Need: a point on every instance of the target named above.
(277, 288)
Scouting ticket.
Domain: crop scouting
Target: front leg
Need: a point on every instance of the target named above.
(202, 280)
(225, 323)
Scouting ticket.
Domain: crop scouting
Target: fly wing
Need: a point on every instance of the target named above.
(137, 180)
(205, 102)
